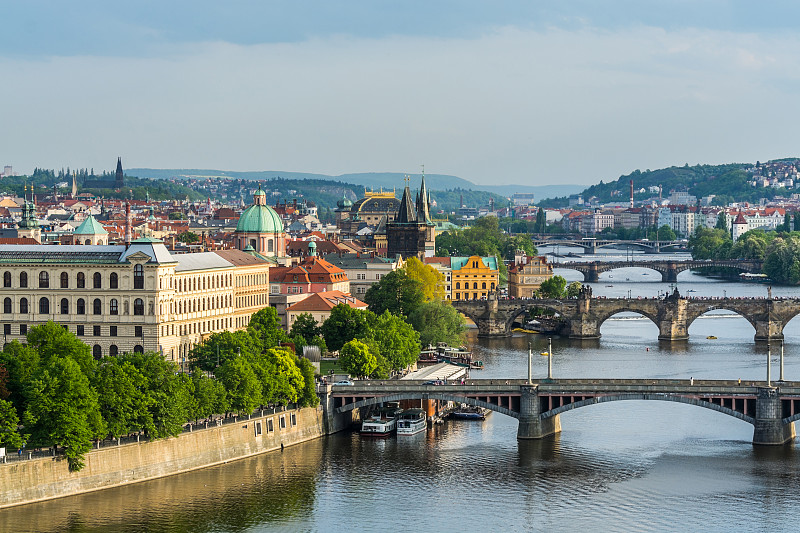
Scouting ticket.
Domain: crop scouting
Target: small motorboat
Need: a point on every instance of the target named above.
(712, 337)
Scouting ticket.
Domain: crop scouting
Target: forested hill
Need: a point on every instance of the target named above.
(727, 182)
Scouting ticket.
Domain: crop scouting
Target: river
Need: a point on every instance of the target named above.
(621, 466)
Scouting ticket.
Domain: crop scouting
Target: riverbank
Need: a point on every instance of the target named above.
(39, 479)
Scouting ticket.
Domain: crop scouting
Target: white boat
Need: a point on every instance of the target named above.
(381, 424)
(411, 422)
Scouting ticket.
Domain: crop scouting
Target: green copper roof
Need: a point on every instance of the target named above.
(90, 226)
(456, 263)
(259, 219)
(146, 239)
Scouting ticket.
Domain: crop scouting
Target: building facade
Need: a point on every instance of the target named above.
(527, 275)
(474, 277)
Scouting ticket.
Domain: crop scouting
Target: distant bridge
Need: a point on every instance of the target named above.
(669, 270)
(772, 410)
(583, 316)
(591, 245)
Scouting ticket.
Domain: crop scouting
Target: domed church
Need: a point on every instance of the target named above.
(261, 228)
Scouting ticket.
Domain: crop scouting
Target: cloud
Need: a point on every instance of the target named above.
(512, 105)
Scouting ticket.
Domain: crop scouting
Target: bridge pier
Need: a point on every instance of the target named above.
(592, 275)
(769, 330)
(769, 428)
(531, 423)
(670, 275)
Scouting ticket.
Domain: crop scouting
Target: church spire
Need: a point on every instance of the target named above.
(423, 202)
(406, 212)
(119, 176)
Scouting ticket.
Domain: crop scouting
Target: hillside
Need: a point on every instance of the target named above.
(728, 182)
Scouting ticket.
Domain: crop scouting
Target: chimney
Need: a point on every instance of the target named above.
(631, 194)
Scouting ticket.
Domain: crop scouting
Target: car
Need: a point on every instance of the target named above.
(433, 382)
(343, 383)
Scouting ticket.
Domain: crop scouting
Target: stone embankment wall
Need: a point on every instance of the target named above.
(46, 478)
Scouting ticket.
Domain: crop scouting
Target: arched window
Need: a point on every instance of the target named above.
(458, 285)
(97, 351)
(98, 280)
(113, 306)
(113, 281)
(88, 242)
(23, 306)
(475, 285)
(138, 349)
(113, 351)
(64, 280)
(23, 279)
(81, 280)
(44, 306)
(7, 305)
(64, 306)
(138, 277)
(483, 285)
(80, 306)
(44, 280)
(97, 306)
(6, 279)
(138, 306)
(493, 285)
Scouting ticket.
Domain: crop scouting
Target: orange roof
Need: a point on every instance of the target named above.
(325, 301)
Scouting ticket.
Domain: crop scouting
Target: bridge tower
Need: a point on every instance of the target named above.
(531, 423)
(769, 428)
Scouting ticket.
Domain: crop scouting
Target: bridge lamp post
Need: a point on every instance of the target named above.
(781, 361)
(769, 365)
(549, 358)
(530, 364)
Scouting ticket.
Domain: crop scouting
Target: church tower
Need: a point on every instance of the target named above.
(119, 180)
(412, 233)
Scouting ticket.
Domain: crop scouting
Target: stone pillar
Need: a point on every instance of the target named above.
(531, 425)
(592, 275)
(492, 323)
(769, 427)
(672, 322)
(768, 330)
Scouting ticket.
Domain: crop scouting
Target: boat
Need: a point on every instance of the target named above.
(467, 412)
(712, 337)
(382, 423)
(411, 422)
(442, 353)
(609, 285)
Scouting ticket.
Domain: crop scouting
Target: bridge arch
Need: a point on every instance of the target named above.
(608, 313)
(653, 396)
(692, 316)
(526, 308)
(443, 396)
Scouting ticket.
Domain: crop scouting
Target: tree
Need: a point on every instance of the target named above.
(397, 340)
(574, 289)
(708, 243)
(438, 321)
(664, 233)
(210, 396)
(541, 221)
(266, 326)
(52, 340)
(123, 404)
(553, 287)
(396, 292)
(796, 219)
(308, 396)
(188, 237)
(220, 347)
(787, 222)
(63, 410)
(244, 391)
(177, 215)
(287, 381)
(306, 326)
(431, 281)
(356, 359)
(344, 324)
(722, 222)
(9, 426)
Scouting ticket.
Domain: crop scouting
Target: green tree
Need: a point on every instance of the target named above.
(796, 219)
(574, 289)
(188, 237)
(396, 292)
(541, 222)
(244, 391)
(9, 426)
(306, 326)
(52, 340)
(751, 245)
(63, 410)
(123, 404)
(554, 287)
(266, 326)
(210, 396)
(722, 222)
(356, 359)
(221, 346)
(431, 281)
(438, 321)
(397, 340)
(344, 324)
(708, 243)
(308, 396)
(664, 233)
(287, 382)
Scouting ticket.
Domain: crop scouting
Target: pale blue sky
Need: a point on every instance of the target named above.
(495, 92)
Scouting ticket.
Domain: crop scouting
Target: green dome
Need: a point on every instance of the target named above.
(259, 219)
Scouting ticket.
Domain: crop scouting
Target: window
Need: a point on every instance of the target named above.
(483, 285)
(138, 306)
(138, 349)
(98, 280)
(138, 277)
(282, 422)
(7, 305)
(23, 329)
(113, 307)
(23, 279)
(113, 281)
(96, 331)
(64, 280)
(44, 306)
(23, 306)
(81, 283)
(270, 426)
(112, 331)
(44, 280)
(258, 428)
(80, 306)
(458, 285)
(97, 306)
(475, 285)
(293, 419)
(79, 330)
(97, 351)
(64, 306)
(137, 331)
(113, 351)
(6, 329)
(6, 279)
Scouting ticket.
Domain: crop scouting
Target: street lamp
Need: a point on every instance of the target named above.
(769, 356)
(549, 358)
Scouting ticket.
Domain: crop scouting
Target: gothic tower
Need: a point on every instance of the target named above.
(411, 233)
(119, 181)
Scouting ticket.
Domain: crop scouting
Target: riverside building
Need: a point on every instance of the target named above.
(133, 298)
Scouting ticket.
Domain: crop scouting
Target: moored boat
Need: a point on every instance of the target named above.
(381, 424)
(411, 422)
(443, 353)
(467, 412)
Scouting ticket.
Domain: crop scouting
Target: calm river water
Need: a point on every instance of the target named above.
(620, 466)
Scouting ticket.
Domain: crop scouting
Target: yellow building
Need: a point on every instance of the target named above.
(473, 278)
(527, 275)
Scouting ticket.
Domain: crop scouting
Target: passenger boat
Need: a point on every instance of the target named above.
(466, 412)
(411, 422)
(380, 424)
(443, 353)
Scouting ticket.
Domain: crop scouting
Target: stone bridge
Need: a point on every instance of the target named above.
(590, 245)
(582, 317)
(669, 270)
(772, 410)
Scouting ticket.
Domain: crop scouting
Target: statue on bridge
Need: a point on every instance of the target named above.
(675, 295)
(585, 292)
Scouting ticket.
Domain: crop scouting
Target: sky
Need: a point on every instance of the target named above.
(496, 92)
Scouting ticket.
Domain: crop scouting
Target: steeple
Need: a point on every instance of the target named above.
(406, 212)
(119, 177)
(423, 203)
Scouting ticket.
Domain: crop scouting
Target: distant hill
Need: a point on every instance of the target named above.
(367, 179)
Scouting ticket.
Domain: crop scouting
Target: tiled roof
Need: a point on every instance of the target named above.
(325, 301)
